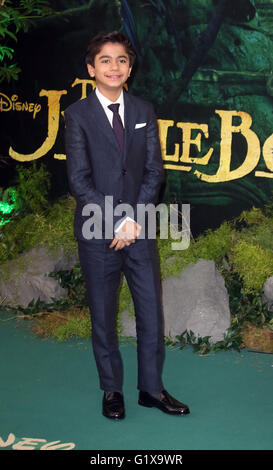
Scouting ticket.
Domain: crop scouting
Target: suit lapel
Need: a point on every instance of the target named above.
(101, 121)
(129, 122)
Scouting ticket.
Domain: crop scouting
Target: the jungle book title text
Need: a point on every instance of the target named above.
(192, 135)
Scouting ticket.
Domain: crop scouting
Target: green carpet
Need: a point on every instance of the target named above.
(50, 391)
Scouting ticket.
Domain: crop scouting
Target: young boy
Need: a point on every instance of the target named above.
(113, 150)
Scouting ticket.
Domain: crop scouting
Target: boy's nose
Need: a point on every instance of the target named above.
(114, 66)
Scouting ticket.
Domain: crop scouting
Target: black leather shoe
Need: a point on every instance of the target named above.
(113, 405)
(164, 402)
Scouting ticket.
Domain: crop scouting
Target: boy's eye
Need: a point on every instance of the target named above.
(105, 61)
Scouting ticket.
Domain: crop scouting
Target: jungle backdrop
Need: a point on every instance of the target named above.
(206, 65)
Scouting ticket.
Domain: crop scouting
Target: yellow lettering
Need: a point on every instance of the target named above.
(53, 127)
(60, 156)
(18, 106)
(14, 98)
(268, 158)
(5, 103)
(57, 445)
(27, 443)
(10, 440)
(187, 128)
(163, 126)
(37, 108)
(84, 84)
(224, 172)
(170, 166)
(25, 106)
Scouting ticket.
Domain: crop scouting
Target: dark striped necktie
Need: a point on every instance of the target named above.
(117, 124)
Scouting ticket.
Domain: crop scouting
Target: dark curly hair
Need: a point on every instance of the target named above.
(100, 39)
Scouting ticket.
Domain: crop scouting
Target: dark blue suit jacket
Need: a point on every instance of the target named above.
(96, 167)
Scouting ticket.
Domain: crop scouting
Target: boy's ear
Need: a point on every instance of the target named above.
(91, 70)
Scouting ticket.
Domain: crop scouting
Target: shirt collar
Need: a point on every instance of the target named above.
(105, 101)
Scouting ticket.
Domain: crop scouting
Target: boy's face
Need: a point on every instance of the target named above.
(111, 67)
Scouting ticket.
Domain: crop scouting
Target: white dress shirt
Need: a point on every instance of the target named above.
(105, 102)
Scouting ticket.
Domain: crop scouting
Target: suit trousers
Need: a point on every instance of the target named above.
(102, 268)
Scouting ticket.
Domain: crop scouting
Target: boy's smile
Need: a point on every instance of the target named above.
(111, 69)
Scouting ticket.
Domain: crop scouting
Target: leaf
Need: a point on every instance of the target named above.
(192, 336)
(9, 33)
(6, 51)
(9, 73)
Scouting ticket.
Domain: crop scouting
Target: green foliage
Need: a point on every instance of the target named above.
(242, 250)
(33, 185)
(73, 281)
(79, 327)
(6, 51)
(253, 263)
(19, 236)
(255, 216)
(244, 305)
(252, 250)
(214, 244)
(268, 208)
(257, 227)
(52, 228)
(34, 307)
(16, 17)
(31, 212)
(58, 231)
(8, 204)
(7, 195)
(232, 340)
(29, 195)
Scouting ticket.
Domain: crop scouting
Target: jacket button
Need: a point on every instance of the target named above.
(124, 171)
(120, 201)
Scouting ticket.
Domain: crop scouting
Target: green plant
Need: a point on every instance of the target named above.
(34, 307)
(253, 264)
(17, 16)
(8, 204)
(242, 254)
(254, 216)
(244, 305)
(33, 184)
(213, 244)
(79, 327)
(52, 228)
(18, 236)
(73, 281)
(255, 226)
(203, 345)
